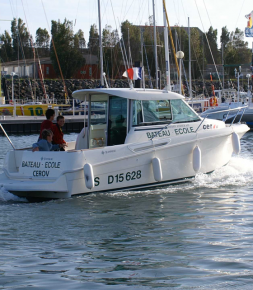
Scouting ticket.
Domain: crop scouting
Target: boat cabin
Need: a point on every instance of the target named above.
(115, 113)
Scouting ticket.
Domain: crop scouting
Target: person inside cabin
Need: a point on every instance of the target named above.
(58, 134)
(45, 144)
(48, 123)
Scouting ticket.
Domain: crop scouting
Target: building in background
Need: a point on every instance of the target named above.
(29, 68)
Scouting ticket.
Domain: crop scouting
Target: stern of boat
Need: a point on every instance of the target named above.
(41, 174)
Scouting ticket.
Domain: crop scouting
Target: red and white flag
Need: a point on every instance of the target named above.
(133, 73)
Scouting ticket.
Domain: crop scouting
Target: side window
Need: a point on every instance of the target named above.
(137, 113)
(117, 121)
(98, 121)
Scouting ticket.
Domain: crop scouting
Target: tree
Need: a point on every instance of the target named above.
(93, 44)
(212, 39)
(110, 40)
(21, 41)
(81, 40)
(181, 42)
(67, 48)
(42, 42)
(197, 51)
(237, 51)
(224, 38)
(134, 40)
(6, 48)
(148, 51)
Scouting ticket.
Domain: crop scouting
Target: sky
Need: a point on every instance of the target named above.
(84, 13)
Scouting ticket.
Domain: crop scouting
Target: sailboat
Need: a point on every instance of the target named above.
(140, 139)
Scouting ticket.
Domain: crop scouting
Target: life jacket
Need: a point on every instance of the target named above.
(213, 102)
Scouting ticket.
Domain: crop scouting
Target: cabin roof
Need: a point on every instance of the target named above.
(133, 94)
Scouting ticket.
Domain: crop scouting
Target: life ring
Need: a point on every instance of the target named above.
(213, 102)
(11, 102)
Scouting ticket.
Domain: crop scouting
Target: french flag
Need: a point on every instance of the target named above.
(133, 73)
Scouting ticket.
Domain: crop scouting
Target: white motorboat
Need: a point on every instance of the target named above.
(225, 110)
(233, 108)
(142, 139)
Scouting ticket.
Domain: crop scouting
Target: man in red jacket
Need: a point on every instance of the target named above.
(58, 134)
(48, 123)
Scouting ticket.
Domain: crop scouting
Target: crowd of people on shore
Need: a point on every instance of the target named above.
(51, 135)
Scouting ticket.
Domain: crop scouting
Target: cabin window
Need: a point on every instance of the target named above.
(182, 112)
(117, 121)
(162, 111)
(98, 121)
(137, 113)
(149, 112)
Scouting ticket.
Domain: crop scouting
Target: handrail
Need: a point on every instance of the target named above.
(242, 115)
(165, 127)
(228, 110)
(234, 109)
(7, 136)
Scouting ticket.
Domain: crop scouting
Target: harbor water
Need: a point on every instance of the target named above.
(198, 235)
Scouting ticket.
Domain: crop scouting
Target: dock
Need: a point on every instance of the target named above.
(31, 125)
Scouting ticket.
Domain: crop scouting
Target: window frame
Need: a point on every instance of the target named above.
(160, 121)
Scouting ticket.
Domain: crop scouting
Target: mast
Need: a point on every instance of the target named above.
(142, 64)
(203, 65)
(176, 50)
(167, 61)
(100, 46)
(34, 86)
(190, 69)
(155, 46)
(222, 56)
(129, 51)
(172, 42)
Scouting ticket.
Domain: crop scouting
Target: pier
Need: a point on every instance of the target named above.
(31, 125)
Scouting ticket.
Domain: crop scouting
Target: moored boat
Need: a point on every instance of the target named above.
(28, 109)
(232, 100)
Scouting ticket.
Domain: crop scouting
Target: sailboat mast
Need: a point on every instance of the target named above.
(142, 64)
(222, 57)
(155, 46)
(190, 67)
(167, 61)
(100, 46)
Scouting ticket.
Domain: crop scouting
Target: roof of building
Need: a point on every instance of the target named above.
(26, 61)
(90, 59)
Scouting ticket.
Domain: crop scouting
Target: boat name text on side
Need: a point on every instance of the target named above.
(164, 133)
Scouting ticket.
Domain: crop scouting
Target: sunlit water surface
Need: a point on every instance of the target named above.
(193, 236)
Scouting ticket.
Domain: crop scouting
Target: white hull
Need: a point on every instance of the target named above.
(121, 167)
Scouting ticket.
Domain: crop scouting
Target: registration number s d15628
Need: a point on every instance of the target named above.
(124, 176)
(120, 177)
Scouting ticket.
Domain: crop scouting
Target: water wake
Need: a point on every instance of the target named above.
(238, 172)
(5, 195)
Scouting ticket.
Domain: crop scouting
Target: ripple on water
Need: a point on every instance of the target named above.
(196, 235)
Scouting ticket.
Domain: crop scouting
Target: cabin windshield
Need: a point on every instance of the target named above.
(162, 111)
(182, 112)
